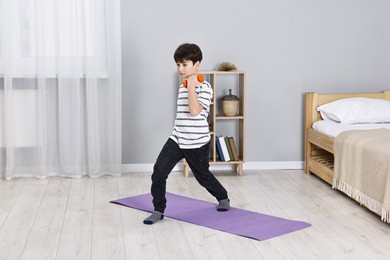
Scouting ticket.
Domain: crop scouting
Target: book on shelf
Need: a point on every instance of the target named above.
(233, 147)
(224, 155)
(219, 149)
(229, 148)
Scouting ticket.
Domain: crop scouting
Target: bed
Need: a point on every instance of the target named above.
(323, 135)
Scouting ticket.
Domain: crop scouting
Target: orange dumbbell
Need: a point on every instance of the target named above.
(200, 79)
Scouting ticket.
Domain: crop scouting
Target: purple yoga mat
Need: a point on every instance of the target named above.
(235, 221)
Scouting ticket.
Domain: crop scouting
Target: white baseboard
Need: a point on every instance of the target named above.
(273, 165)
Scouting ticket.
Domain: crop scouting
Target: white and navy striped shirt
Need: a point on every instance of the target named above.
(189, 131)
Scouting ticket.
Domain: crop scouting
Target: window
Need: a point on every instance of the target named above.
(61, 28)
(52, 36)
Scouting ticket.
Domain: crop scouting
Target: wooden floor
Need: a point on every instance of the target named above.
(62, 218)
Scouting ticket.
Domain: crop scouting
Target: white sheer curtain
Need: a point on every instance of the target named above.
(60, 88)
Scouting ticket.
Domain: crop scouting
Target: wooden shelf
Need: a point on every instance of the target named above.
(223, 117)
(216, 72)
(229, 162)
(236, 81)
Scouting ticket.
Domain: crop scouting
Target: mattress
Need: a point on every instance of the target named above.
(332, 128)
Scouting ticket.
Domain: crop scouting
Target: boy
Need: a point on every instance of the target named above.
(190, 138)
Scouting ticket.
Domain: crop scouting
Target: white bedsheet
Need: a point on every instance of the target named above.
(332, 128)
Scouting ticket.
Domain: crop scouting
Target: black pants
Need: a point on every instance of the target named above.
(197, 159)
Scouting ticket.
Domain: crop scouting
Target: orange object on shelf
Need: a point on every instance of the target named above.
(200, 79)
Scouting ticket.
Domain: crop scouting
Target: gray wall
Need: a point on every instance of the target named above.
(286, 47)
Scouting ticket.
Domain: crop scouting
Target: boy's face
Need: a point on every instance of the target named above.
(187, 68)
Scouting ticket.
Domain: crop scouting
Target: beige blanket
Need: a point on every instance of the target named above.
(362, 168)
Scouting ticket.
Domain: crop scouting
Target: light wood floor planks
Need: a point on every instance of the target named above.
(61, 218)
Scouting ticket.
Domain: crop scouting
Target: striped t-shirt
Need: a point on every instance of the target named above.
(189, 131)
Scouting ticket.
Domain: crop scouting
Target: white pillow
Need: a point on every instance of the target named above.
(356, 111)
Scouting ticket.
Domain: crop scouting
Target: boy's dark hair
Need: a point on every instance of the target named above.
(188, 51)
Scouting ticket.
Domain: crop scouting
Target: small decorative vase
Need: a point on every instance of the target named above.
(230, 104)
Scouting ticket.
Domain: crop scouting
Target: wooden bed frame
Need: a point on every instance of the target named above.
(319, 147)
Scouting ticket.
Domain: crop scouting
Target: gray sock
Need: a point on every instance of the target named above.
(224, 205)
(156, 216)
